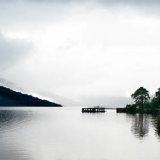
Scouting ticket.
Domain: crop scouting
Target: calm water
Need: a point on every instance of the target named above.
(67, 134)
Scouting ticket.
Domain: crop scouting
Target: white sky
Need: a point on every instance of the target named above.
(81, 50)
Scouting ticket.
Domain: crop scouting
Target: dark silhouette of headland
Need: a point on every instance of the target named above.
(9, 97)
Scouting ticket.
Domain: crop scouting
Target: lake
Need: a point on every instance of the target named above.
(67, 134)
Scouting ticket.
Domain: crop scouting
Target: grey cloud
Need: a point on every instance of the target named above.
(104, 1)
(11, 51)
(41, 11)
(31, 13)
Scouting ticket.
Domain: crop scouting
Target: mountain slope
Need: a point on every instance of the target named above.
(9, 97)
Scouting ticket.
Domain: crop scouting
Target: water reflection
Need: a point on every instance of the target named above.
(11, 120)
(9, 153)
(156, 123)
(141, 122)
(67, 134)
(140, 125)
(9, 117)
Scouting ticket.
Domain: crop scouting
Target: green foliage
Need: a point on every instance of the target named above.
(131, 108)
(155, 103)
(158, 93)
(141, 97)
(147, 105)
(142, 102)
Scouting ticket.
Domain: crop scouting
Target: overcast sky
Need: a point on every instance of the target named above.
(90, 51)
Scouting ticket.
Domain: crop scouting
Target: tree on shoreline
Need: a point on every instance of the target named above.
(142, 101)
(141, 96)
(155, 103)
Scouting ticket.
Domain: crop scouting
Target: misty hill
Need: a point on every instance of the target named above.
(8, 84)
(9, 97)
(42, 93)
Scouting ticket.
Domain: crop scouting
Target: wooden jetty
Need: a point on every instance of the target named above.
(93, 110)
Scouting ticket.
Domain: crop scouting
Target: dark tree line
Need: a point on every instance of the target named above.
(143, 102)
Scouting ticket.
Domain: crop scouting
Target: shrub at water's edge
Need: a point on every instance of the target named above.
(9, 97)
(142, 102)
